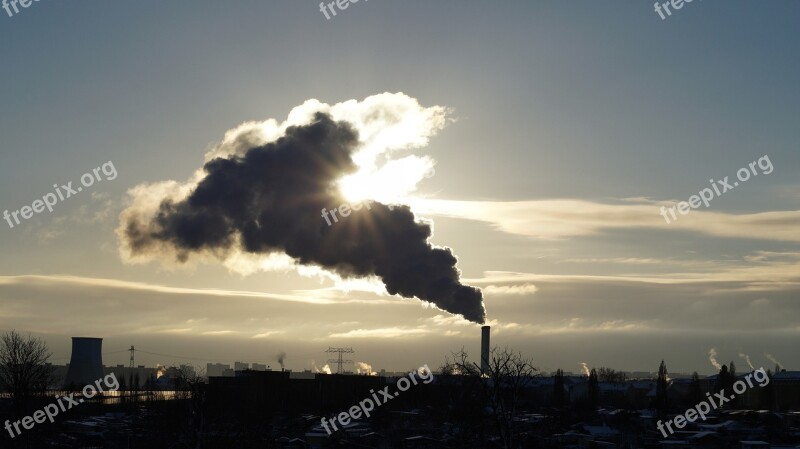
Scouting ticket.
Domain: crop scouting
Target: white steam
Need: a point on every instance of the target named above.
(712, 357)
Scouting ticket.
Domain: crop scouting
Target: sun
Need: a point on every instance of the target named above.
(392, 183)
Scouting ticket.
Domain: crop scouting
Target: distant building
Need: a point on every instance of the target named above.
(57, 375)
(188, 370)
(131, 377)
(241, 366)
(216, 369)
(307, 374)
(259, 367)
(787, 389)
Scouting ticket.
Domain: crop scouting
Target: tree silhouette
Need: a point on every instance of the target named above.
(190, 386)
(695, 391)
(593, 389)
(732, 380)
(609, 375)
(23, 367)
(724, 381)
(502, 386)
(661, 388)
(558, 388)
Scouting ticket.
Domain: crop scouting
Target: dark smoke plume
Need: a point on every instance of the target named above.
(270, 198)
(282, 359)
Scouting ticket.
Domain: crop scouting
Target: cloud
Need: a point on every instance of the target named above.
(761, 301)
(90, 306)
(775, 276)
(622, 260)
(385, 332)
(564, 314)
(65, 281)
(565, 218)
(522, 289)
(267, 334)
(772, 256)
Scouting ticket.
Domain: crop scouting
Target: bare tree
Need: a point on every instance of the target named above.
(23, 366)
(190, 386)
(502, 386)
(605, 374)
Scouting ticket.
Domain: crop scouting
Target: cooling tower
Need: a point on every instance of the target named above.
(86, 363)
(485, 349)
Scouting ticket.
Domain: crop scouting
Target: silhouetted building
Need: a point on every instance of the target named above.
(86, 362)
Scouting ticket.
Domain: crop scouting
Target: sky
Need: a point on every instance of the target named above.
(539, 140)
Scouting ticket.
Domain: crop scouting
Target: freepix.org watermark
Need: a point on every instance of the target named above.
(62, 404)
(340, 4)
(702, 409)
(719, 186)
(344, 211)
(12, 4)
(367, 405)
(676, 5)
(61, 193)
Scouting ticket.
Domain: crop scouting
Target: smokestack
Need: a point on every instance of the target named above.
(86, 362)
(485, 349)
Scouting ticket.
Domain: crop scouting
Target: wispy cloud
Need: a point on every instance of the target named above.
(141, 286)
(267, 334)
(621, 260)
(773, 276)
(521, 289)
(385, 332)
(564, 218)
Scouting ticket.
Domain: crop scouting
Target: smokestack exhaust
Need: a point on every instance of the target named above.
(264, 192)
(485, 330)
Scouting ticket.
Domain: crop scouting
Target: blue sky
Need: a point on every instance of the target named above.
(571, 121)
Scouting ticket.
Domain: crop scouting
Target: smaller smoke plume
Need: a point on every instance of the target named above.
(747, 359)
(585, 368)
(773, 359)
(712, 357)
(325, 369)
(281, 358)
(365, 368)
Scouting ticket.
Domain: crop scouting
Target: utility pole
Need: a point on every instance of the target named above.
(340, 361)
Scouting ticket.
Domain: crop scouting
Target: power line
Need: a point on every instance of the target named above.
(172, 356)
(105, 353)
(339, 362)
(132, 349)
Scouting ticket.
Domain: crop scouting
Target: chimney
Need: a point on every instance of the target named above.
(485, 349)
(86, 363)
